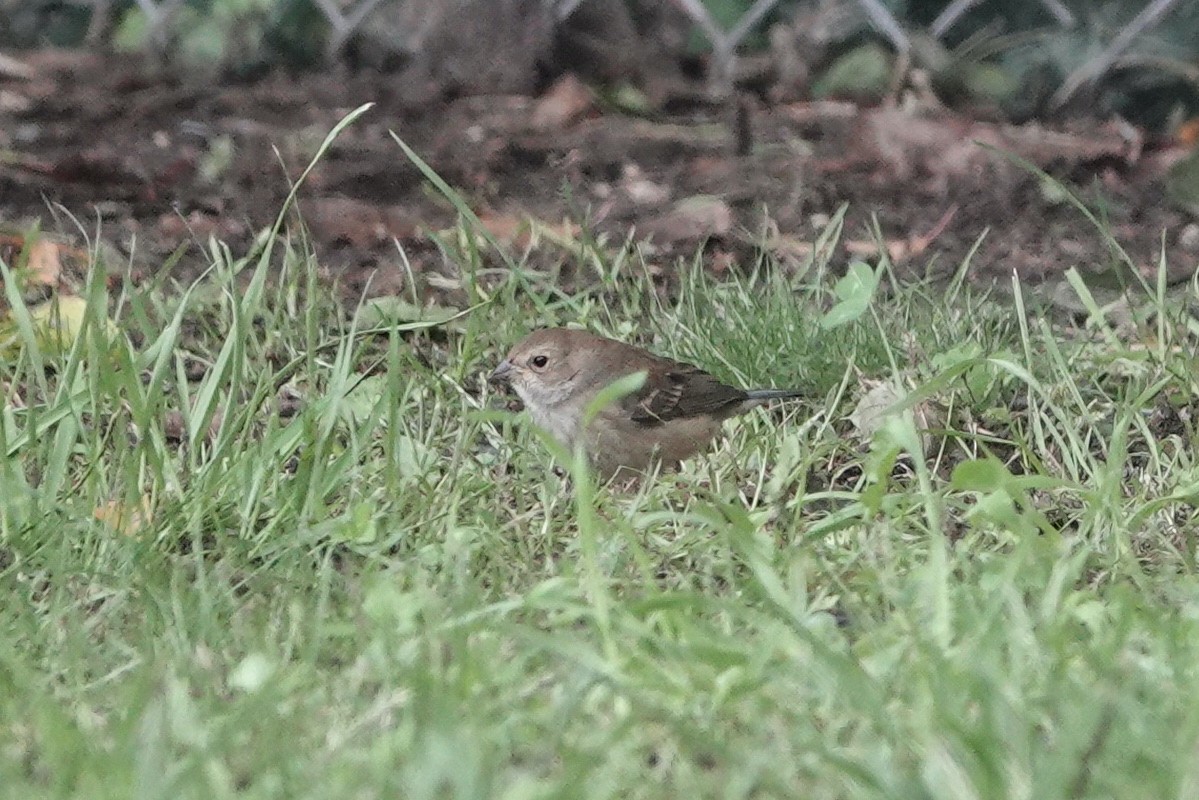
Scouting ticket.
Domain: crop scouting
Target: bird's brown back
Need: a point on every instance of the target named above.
(672, 389)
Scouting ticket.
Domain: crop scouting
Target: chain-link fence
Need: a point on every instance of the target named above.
(1091, 41)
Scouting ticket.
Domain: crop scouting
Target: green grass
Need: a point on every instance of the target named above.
(390, 593)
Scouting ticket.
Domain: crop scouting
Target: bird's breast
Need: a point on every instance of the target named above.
(614, 441)
(558, 422)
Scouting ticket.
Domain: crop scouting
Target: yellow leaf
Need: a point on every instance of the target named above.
(125, 520)
(56, 324)
(44, 264)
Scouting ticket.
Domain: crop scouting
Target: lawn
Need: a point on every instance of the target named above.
(256, 542)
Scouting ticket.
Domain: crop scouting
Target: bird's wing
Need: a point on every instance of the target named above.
(678, 391)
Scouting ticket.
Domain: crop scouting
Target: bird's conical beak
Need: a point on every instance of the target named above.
(502, 373)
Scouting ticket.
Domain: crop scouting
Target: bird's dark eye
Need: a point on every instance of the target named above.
(539, 362)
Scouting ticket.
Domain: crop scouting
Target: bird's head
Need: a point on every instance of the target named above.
(548, 367)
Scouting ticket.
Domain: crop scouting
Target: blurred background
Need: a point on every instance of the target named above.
(734, 126)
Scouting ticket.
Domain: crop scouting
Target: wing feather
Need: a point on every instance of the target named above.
(680, 391)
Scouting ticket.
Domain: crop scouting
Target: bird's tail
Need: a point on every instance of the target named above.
(762, 395)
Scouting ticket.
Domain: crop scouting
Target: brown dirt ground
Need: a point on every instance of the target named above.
(102, 137)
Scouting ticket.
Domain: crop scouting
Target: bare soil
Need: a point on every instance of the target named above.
(165, 162)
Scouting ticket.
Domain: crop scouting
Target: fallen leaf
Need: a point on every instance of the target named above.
(124, 519)
(942, 147)
(878, 405)
(56, 325)
(640, 189)
(58, 322)
(874, 407)
(13, 103)
(521, 231)
(43, 263)
(14, 68)
(691, 219)
(790, 246)
(42, 258)
(566, 101)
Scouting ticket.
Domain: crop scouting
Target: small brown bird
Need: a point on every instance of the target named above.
(677, 412)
